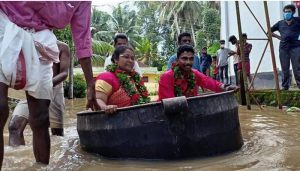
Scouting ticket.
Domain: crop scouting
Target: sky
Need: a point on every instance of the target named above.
(106, 6)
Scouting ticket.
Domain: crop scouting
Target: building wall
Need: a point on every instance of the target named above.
(250, 26)
(151, 77)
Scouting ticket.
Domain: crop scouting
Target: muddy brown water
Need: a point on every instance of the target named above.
(271, 142)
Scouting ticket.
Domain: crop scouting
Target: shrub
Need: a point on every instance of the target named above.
(268, 97)
(79, 87)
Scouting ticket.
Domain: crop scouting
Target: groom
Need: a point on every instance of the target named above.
(182, 80)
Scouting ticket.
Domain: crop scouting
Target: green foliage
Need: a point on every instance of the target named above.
(100, 22)
(101, 26)
(169, 42)
(209, 31)
(212, 50)
(148, 20)
(153, 27)
(101, 50)
(211, 23)
(201, 19)
(268, 97)
(79, 87)
(159, 62)
(65, 35)
(164, 68)
(201, 40)
(122, 20)
(155, 93)
(98, 60)
(144, 51)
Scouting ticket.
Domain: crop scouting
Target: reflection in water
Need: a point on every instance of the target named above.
(271, 142)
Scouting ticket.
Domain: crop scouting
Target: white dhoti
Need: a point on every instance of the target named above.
(13, 41)
(56, 108)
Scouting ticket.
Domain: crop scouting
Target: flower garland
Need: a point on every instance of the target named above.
(140, 97)
(179, 79)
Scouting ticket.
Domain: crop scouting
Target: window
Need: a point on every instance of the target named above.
(145, 79)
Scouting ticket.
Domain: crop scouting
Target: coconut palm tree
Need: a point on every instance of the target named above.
(101, 50)
(100, 22)
(190, 12)
(145, 50)
(214, 4)
(122, 20)
(148, 20)
(184, 13)
(210, 25)
(169, 14)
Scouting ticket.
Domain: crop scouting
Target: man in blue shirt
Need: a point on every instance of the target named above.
(289, 50)
(205, 61)
(184, 38)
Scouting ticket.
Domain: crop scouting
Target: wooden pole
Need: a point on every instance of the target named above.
(257, 39)
(273, 55)
(262, 56)
(255, 18)
(244, 74)
(71, 75)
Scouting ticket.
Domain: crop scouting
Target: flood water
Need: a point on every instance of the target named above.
(271, 142)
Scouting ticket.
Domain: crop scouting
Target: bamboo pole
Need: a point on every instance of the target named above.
(244, 74)
(273, 55)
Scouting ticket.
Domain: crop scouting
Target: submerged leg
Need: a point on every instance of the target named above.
(16, 128)
(39, 123)
(57, 131)
(4, 110)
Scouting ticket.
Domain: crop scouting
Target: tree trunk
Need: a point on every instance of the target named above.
(145, 60)
(176, 23)
(193, 34)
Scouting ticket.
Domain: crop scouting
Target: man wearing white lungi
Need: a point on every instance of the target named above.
(20, 115)
(26, 34)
